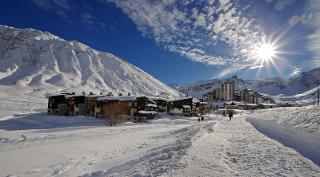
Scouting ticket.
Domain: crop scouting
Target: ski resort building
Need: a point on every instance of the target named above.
(248, 96)
(228, 91)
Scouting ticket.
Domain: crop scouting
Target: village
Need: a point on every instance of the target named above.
(127, 107)
(226, 96)
(122, 108)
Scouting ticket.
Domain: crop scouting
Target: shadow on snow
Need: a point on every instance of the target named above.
(43, 121)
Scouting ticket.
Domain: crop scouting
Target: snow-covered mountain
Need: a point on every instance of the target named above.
(305, 98)
(32, 58)
(273, 86)
(291, 86)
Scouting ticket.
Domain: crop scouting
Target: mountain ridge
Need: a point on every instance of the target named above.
(271, 86)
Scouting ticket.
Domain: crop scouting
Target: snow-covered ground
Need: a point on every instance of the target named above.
(35, 144)
(297, 127)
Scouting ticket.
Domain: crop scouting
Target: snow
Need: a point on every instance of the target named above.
(120, 98)
(236, 148)
(278, 88)
(152, 105)
(298, 128)
(36, 144)
(39, 59)
(186, 106)
(147, 112)
(305, 119)
(270, 142)
(306, 98)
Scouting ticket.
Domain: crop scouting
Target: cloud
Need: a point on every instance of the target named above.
(282, 4)
(209, 26)
(295, 71)
(294, 20)
(70, 12)
(256, 67)
(229, 71)
(57, 6)
(313, 19)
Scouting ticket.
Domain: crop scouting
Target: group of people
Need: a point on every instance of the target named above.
(202, 119)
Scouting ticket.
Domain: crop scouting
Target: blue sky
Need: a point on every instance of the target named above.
(184, 41)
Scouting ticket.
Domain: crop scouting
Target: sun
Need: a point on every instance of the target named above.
(265, 51)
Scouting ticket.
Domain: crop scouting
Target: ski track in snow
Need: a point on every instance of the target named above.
(162, 159)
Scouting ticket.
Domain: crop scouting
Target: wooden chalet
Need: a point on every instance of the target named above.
(162, 104)
(57, 104)
(117, 109)
(185, 106)
(76, 105)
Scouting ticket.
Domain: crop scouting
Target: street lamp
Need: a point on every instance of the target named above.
(318, 92)
(318, 83)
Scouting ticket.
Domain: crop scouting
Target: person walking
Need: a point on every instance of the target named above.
(230, 115)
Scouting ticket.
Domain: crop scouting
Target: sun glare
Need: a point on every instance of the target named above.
(265, 52)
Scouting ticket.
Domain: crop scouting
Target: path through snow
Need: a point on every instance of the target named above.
(236, 148)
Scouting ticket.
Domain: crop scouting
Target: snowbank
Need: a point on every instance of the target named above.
(305, 119)
(298, 128)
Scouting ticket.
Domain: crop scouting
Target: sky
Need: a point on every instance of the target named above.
(185, 41)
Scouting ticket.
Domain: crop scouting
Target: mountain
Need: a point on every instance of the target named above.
(273, 86)
(291, 86)
(32, 58)
(308, 97)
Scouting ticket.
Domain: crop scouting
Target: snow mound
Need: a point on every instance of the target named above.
(305, 119)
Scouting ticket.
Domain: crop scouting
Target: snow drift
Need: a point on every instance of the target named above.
(298, 128)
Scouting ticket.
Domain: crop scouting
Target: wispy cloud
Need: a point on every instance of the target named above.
(229, 71)
(196, 29)
(71, 11)
(282, 4)
(256, 67)
(295, 71)
(314, 38)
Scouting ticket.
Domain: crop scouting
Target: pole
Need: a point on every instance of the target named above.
(318, 94)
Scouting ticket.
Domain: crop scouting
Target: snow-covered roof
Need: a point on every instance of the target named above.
(147, 112)
(195, 100)
(48, 95)
(152, 105)
(186, 106)
(119, 98)
(157, 98)
(251, 104)
(202, 102)
(267, 104)
(235, 103)
(71, 96)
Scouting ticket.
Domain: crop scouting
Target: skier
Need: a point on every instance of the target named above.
(199, 119)
(202, 119)
(230, 115)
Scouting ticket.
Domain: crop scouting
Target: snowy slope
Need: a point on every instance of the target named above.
(291, 86)
(31, 58)
(305, 98)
